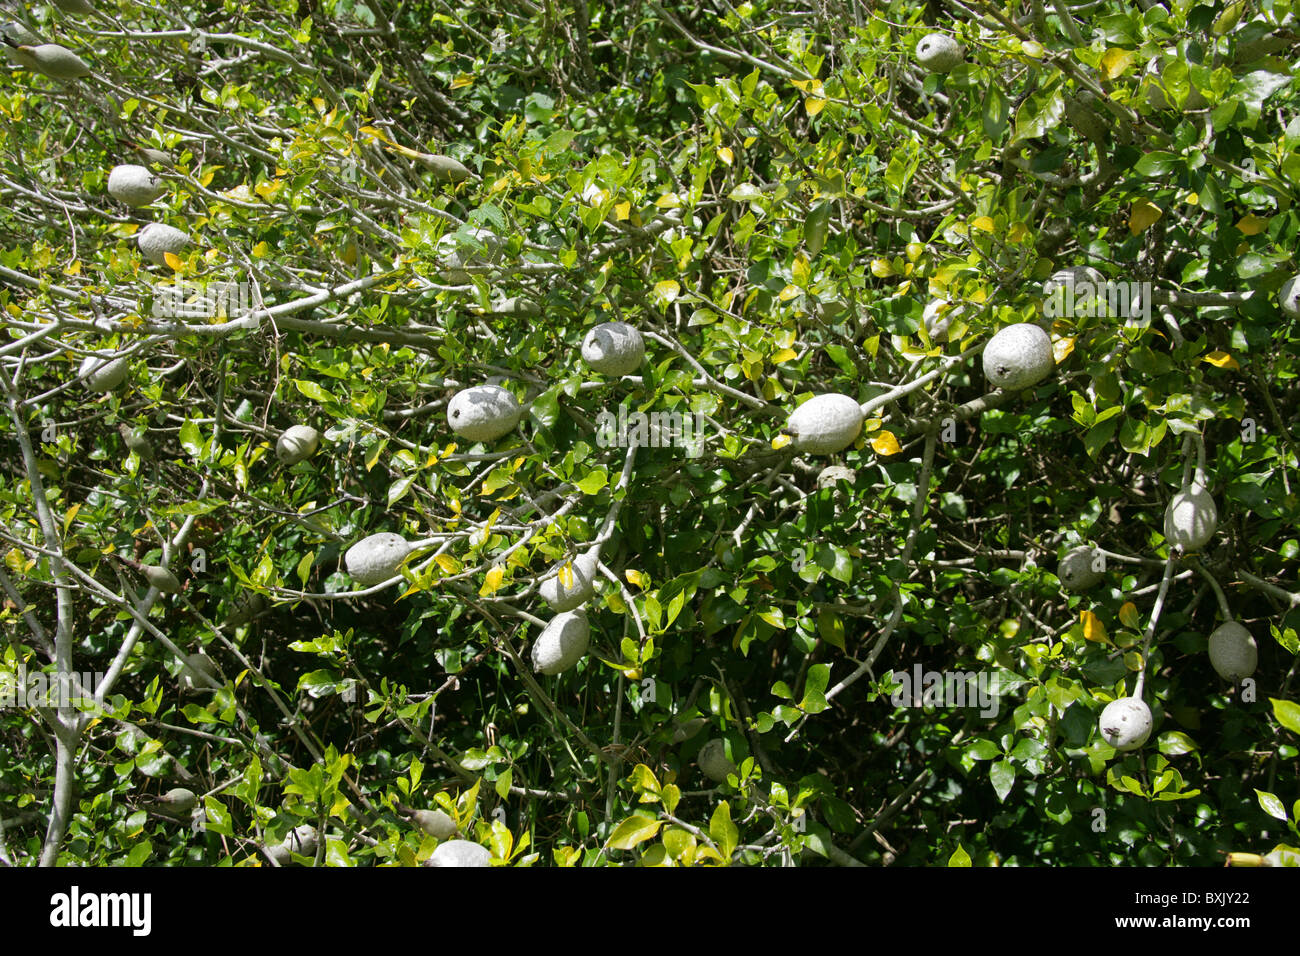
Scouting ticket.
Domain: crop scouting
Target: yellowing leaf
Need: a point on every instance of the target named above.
(1220, 359)
(881, 269)
(1018, 232)
(174, 261)
(814, 106)
(1093, 629)
(634, 577)
(725, 154)
(622, 211)
(1143, 215)
(780, 441)
(884, 443)
(463, 80)
(784, 355)
(448, 563)
(1128, 614)
(492, 582)
(1115, 61)
(566, 576)
(1251, 225)
(788, 293)
(666, 292)
(983, 223)
(1061, 349)
(1030, 48)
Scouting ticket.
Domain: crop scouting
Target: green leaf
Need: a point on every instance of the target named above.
(216, 817)
(1270, 804)
(814, 690)
(995, 113)
(190, 439)
(1174, 743)
(1003, 776)
(314, 392)
(723, 831)
(1287, 714)
(635, 829)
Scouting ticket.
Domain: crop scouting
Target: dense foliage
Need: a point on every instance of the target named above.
(772, 193)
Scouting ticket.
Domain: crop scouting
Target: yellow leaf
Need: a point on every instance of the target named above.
(984, 223)
(1115, 61)
(725, 154)
(174, 261)
(492, 582)
(1143, 215)
(1093, 629)
(464, 79)
(1251, 225)
(1133, 661)
(788, 293)
(668, 201)
(634, 577)
(448, 564)
(1220, 359)
(72, 513)
(881, 269)
(1061, 349)
(884, 443)
(667, 291)
(261, 250)
(780, 441)
(814, 106)
(1030, 48)
(1128, 614)
(1018, 232)
(784, 355)
(566, 576)
(622, 211)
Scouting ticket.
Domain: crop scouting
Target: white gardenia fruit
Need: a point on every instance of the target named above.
(713, 761)
(562, 643)
(198, 668)
(1288, 297)
(103, 374)
(298, 443)
(483, 412)
(436, 823)
(562, 598)
(460, 853)
(1191, 518)
(937, 318)
(825, 424)
(939, 53)
(1077, 570)
(1072, 276)
(456, 262)
(74, 6)
(613, 348)
(445, 168)
(1018, 356)
(375, 559)
(831, 475)
(56, 62)
(1125, 724)
(134, 185)
(301, 840)
(157, 239)
(1233, 652)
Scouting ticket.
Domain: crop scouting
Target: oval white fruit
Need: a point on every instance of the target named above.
(1087, 280)
(1077, 570)
(199, 672)
(832, 475)
(1018, 356)
(103, 374)
(375, 559)
(436, 823)
(939, 53)
(134, 185)
(445, 168)
(713, 761)
(460, 853)
(561, 598)
(298, 443)
(1191, 518)
(56, 62)
(938, 318)
(157, 239)
(1125, 724)
(613, 348)
(562, 643)
(825, 424)
(1233, 652)
(1288, 297)
(483, 412)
